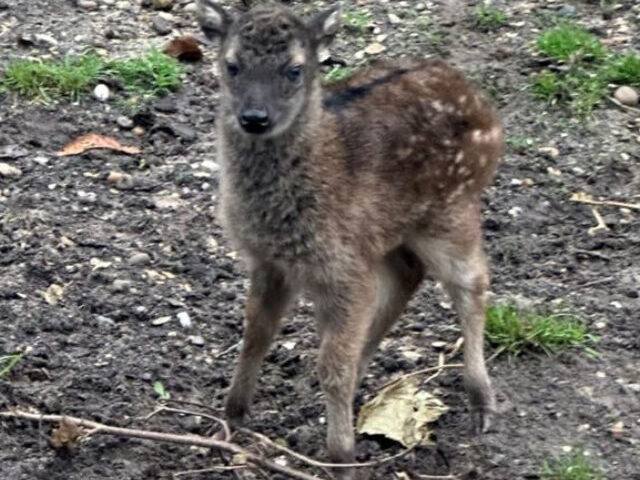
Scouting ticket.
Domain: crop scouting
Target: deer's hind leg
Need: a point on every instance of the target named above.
(453, 253)
(399, 276)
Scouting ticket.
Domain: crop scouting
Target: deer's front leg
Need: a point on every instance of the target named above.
(344, 314)
(268, 299)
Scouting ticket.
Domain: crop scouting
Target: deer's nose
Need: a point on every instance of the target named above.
(255, 120)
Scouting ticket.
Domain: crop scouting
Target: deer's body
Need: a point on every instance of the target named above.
(349, 195)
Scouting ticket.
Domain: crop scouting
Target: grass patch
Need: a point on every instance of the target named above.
(45, 79)
(569, 40)
(337, 73)
(356, 20)
(487, 18)
(7, 362)
(583, 84)
(150, 74)
(546, 85)
(153, 73)
(622, 69)
(575, 466)
(514, 330)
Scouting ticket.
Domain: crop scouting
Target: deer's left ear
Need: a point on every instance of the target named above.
(325, 25)
(213, 19)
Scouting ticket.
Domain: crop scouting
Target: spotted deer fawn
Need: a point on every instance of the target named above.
(349, 195)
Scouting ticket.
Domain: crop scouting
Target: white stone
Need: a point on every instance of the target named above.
(101, 92)
(626, 96)
(184, 319)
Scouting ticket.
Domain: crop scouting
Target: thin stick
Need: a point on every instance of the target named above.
(420, 372)
(189, 439)
(224, 424)
(216, 468)
(316, 463)
(601, 224)
(611, 203)
(623, 106)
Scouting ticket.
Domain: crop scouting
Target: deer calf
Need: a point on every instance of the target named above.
(349, 195)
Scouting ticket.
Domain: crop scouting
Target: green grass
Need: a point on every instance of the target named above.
(46, 79)
(514, 330)
(7, 362)
(575, 466)
(569, 40)
(622, 69)
(488, 18)
(585, 83)
(546, 85)
(153, 73)
(150, 74)
(356, 20)
(337, 73)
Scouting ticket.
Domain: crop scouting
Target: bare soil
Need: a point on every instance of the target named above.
(97, 352)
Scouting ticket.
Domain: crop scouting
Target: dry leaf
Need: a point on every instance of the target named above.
(66, 434)
(93, 140)
(184, 48)
(53, 294)
(402, 413)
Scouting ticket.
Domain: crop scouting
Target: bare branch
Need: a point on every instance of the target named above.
(189, 439)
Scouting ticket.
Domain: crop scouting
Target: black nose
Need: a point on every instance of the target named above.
(255, 120)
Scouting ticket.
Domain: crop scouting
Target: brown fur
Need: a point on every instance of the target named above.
(351, 203)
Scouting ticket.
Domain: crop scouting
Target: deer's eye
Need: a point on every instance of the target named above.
(293, 72)
(233, 69)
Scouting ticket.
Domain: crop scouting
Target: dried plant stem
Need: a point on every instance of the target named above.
(196, 440)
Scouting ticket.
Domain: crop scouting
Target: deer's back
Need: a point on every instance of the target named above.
(403, 143)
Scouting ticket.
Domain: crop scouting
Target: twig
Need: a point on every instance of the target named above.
(420, 372)
(623, 106)
(282, 448)
(601, 225)
(496, 354)
(189, 439)
(227, 350)
(437, 477)
(216, 468)
(583, 198)
(223, 423)
(316, 463)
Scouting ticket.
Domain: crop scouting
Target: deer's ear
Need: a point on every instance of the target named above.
(214, 21)
(325, 26)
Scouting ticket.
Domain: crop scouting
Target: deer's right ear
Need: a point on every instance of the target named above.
(214, 21)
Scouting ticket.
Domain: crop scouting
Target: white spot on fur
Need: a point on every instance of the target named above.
(483, 160)
(459, 157)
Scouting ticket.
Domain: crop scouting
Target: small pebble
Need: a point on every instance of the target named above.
(138, 131)
(196, 340)
(161, 25)
(87, 4)
(121, 285)
(160, 321)
(9, 171)
(101, 92)
(394, 19)
(124, 122)
(626, 96)
(140, 258)
(184, 319)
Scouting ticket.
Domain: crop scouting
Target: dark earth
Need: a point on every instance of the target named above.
(153, 248)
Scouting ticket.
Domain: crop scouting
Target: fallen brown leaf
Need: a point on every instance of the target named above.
(66, 434)
(94, 140)
(184, 48)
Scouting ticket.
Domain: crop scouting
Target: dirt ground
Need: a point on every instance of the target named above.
(128, 258)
